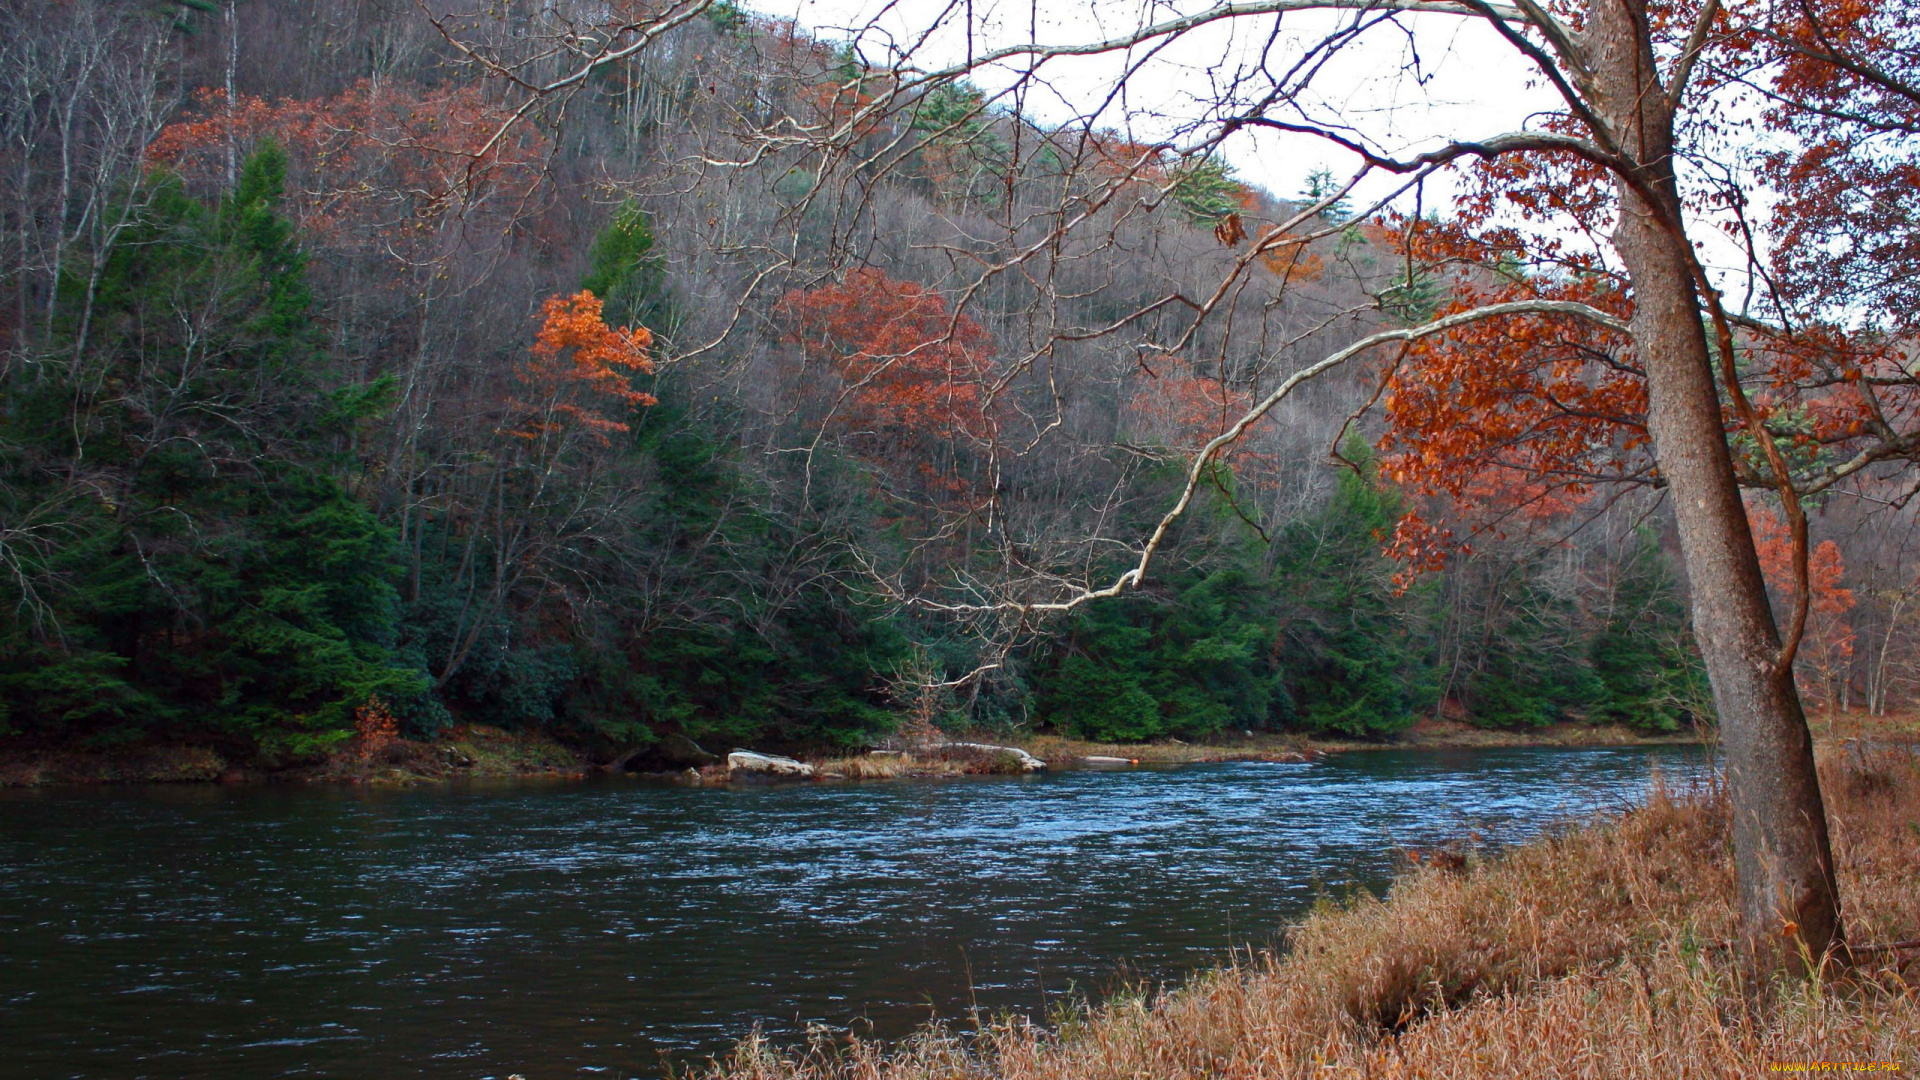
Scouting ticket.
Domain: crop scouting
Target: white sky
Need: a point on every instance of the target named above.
(1468, 80)
(1406, 86)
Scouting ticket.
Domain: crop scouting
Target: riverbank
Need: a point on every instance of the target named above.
(479, 752)
(1059, 751)
(1603, 950)
(1427, 734)
(467, 751)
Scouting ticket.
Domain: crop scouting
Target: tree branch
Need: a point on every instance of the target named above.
(1196, 473)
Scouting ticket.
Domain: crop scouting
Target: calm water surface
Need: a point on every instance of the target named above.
(591, 929)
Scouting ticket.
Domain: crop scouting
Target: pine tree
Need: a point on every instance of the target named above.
(1353, 664)
(628, 276)
(1643, 653)
(219, 582)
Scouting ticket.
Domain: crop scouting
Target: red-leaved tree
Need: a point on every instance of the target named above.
(1827, 647)
(379, 166)
(578, 378)
(1504, 425)
(911, 383)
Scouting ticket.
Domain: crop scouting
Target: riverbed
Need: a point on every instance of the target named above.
(606, 929)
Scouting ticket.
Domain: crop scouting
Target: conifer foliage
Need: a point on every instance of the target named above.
(208, 572)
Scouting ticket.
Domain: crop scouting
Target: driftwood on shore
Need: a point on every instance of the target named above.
(965, 749)
(746, 761)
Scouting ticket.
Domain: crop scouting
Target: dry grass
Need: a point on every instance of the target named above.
(1598, 952)
(1835, 726)
(1437, 732)
(470, 751)
(1059, 749)
(899, 765)
(886, 767)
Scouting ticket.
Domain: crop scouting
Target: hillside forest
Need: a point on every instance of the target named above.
(342, 377)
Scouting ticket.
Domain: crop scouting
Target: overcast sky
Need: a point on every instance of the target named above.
(1410, 85)
(1468, 81)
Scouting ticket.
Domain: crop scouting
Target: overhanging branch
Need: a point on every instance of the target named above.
(1196, 473)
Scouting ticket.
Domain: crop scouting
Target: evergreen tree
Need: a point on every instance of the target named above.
(1193, 660)
(628, 276)
(713, 642)
(1353, 664)
(215, 579)
(1643, 654)
(1522, 661)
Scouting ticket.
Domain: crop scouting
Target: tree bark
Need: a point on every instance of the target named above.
(1790, 908)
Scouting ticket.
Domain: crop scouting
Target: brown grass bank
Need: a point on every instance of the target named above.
(892, 766)
(1598, 952)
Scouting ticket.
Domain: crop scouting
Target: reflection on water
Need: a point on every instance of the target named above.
(562, 930)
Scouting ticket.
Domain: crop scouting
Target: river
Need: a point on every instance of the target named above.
(603, 929)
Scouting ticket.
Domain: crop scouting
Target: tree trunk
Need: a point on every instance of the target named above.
(1789, 906)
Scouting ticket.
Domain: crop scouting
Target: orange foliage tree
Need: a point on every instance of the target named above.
(1114, 159)
(910, 369)
(1507, 423)
(908, 389)
(1797, 392)
(578, 369)
(1847, 90)
(377, 167)
(375, 729)
(1182, 411)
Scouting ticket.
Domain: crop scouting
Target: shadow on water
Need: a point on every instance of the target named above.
(590, 929)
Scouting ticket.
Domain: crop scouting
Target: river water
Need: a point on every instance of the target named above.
(605, 929)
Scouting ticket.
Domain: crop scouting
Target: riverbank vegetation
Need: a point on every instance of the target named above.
(1605, 949)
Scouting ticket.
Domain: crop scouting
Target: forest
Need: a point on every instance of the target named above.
(346, 376)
